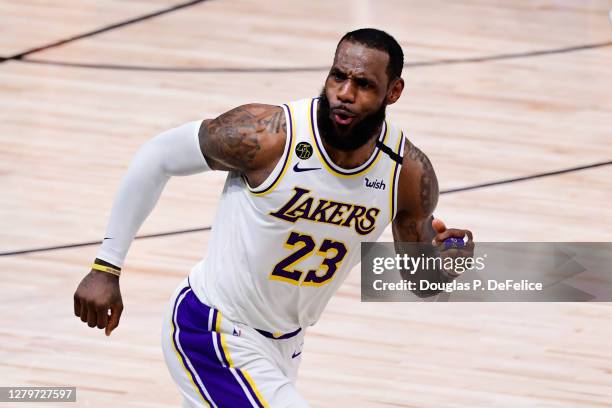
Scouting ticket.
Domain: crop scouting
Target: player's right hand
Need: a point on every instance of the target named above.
(98, 293)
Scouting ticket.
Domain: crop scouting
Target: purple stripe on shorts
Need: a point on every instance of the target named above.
(197, 344)
(246, 383)
(221, 351)
(177, 348)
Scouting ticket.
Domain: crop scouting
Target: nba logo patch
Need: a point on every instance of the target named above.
(303, 150)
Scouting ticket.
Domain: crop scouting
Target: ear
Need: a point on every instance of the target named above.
(395, 90)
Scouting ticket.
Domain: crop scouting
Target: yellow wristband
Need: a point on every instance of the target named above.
(106, 269)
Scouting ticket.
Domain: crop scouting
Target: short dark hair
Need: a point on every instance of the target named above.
(382, 41)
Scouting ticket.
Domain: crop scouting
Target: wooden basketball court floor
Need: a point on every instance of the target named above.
(495, 90)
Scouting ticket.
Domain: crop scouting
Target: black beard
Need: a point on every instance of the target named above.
(361, 133)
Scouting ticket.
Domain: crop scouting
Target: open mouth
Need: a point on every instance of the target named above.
(343, 117)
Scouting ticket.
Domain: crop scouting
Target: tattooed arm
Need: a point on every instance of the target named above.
(417, 198)
(250, 139)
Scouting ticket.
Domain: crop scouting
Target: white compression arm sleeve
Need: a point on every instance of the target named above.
(175, 152)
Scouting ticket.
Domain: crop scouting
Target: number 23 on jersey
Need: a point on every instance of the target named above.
(303, 246)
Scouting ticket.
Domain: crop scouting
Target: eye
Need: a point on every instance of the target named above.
(338, 76)
(363, 83)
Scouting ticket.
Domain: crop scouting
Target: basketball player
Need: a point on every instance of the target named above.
(307, 182)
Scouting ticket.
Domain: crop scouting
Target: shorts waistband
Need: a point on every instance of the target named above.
(275, 335)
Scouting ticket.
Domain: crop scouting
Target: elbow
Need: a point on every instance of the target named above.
(156, 157)
(147, 166)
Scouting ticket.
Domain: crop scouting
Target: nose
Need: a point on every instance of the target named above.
(346, 93)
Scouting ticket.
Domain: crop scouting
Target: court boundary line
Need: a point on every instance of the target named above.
(89, 243)
(208, 228)
(19, 56)
(525, 178)
(265, 70)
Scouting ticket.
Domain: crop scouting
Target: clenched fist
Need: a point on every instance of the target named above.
(97, 301)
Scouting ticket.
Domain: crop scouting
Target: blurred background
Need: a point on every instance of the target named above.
(511, 101)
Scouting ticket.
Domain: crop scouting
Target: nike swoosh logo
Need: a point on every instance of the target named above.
(298, 169)
(106, 238)
(294, 355)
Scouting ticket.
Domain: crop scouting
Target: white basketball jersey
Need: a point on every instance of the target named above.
(278, 252)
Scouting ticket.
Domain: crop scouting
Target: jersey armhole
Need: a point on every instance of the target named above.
(395, 176)
(283, 163)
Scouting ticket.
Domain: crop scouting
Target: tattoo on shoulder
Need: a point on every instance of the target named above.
(277, 122)
(235, 137)
(428, 182)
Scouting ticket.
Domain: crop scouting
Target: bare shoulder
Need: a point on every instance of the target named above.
(418, 185)
(247, 138)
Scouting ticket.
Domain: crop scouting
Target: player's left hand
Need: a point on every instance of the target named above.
(455, 251)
